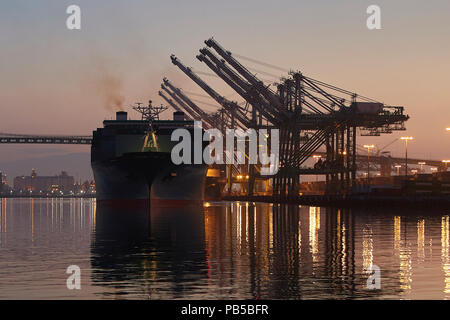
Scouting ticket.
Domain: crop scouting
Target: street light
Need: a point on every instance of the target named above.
(398, 169)
(421, 165)
(368, 147)
(406, 139)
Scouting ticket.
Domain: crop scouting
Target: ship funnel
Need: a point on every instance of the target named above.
(178, 116)
(121, 116)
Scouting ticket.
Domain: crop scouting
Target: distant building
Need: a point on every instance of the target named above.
(3, 182)
(35, 183)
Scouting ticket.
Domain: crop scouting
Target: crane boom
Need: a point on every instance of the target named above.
(203, 115)
(242, 92)
(214, 62)
(181, 103)
(244, 84)
(228, 105)
(259, 85)
(172, 104)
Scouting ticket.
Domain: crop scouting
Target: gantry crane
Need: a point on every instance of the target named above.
(309, 114)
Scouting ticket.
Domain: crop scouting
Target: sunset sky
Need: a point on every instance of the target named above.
(52, 80)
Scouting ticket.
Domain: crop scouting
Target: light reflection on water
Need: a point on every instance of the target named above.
(221, 251)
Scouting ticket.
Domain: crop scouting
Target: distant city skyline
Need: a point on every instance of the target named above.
(55, 80)
(76, 164)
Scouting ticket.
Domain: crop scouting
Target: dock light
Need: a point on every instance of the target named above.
(398, 169)
(247, 177)
(448, 129)
(433, 169)
(406, 139)
(446, 164)
(368, 147)
(239, 177)
(414, 171)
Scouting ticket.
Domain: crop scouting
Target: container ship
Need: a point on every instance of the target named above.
(131, 161)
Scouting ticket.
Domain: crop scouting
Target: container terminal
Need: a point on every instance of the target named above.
(318, 125)
(316, 120)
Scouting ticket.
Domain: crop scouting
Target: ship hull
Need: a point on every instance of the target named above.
(114, 183)
(179, 185)
(148, 176)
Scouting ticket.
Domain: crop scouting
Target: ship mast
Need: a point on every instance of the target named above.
(149, 113)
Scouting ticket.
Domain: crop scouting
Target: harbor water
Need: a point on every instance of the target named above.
(221, 250)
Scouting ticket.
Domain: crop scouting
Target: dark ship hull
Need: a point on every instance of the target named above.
(127, 177)
(176, 185)
(141, 176)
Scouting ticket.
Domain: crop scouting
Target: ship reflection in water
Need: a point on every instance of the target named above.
(160, 255)
(220, 251)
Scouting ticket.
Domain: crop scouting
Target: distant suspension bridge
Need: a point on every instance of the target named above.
(11, 138)
(44, 139)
